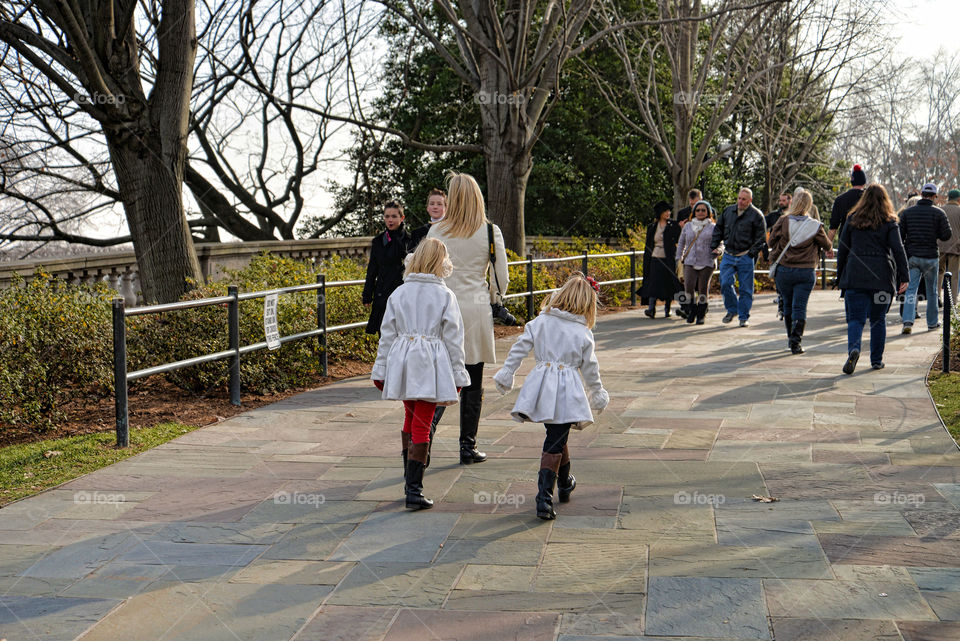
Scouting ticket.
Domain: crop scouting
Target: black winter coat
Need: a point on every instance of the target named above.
(921, 226)
(744, 233)
(384, 272)
(871, 259)
(659, 274)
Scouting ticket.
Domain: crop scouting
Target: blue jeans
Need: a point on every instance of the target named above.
(928, 267)
(742, 268)
(860, 305)
(794, 285)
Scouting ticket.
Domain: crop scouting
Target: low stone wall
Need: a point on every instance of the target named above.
(119, 269)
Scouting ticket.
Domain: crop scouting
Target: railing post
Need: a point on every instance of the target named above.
(529, 287)
(947, 310)
(633, 278)
(322, 321)
(120, 373)
(823, 270)
(233, 327)
(583, 266)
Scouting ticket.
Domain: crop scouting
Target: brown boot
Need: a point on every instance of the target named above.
(566, 481)
(546, 479)
(416, 459)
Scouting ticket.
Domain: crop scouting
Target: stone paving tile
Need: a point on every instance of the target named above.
(597, 569)
(936, 579)
(49, 618)
(502, 527)
(601, 624)
(341, 623)
(706, 607)
(945, 604)
(240, 532)
(950, 491)
(803, 599)
(266, 572)
(398, 537)
(415, 625)
(28, 586)
(309, 542)
(80, 559)
(699, 560)
(544, 602)
(834, 630)
(785, 435)
(148, 552)
(117, 580)
(892, 550)
(922, 631)
(490, 551)
(518, 578)
(271, 513)
(410, 585)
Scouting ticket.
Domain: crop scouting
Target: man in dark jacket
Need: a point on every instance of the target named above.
(921, 226)
(845, 201)
(742, 230)
(783, 205)
(385, 269)
(683, 215)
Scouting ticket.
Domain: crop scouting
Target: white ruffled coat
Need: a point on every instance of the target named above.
(553, 391)
(420, 355)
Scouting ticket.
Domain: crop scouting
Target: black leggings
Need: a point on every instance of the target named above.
(476, 377)
(556, 437)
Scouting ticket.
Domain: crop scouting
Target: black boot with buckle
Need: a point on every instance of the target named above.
(546, 479)
(416, 458)
(796, 335)
(566, 482)
(471, 404)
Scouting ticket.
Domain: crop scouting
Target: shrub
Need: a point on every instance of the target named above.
(55, 342)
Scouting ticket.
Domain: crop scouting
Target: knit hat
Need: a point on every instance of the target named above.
(661, 207)
(858, 178)
(704, 202)
(953, 194)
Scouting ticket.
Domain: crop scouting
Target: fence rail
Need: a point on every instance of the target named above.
(234, 351)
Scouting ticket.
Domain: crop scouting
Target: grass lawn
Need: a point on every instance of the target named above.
(945, 389)
(30, 467)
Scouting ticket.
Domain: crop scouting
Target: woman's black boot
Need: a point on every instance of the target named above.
(471, 404)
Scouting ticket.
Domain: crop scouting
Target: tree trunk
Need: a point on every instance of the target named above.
(153, 202)
(506, 189)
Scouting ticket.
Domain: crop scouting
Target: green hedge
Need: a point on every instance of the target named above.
(56, 339)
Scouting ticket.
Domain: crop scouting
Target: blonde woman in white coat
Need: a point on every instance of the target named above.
(420, 356)
(553, 392)
(464, 231)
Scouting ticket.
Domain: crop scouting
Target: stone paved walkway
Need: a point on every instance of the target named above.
(284, 522)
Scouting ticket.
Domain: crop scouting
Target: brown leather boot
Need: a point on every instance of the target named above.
(546, 479)
(416, 459)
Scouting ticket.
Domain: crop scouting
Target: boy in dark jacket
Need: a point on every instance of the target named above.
(921, 226)
(385, 269)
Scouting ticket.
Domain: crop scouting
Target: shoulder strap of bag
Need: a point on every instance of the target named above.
(692, 243)
(789, 245)
(493, 257)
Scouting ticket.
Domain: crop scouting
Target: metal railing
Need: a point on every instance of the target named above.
(948, 304)
(121, 377)
(234, 350)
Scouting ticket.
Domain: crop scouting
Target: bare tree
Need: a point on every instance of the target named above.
(90, 53)
(712, 65)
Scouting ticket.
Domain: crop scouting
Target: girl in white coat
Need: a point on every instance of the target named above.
(420, 356)
(553, 392)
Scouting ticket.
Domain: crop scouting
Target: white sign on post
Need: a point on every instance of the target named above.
(270, 329)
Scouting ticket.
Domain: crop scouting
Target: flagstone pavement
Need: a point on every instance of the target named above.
(286, 523)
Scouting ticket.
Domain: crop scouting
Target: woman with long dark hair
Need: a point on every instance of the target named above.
(660, 280)
(871, 269)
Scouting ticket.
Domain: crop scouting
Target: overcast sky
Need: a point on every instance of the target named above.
(926, 26)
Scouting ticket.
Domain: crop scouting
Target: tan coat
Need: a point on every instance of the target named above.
(952, 244)
(471, 260)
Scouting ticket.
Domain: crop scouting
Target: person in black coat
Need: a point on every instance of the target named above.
(385, 269)
(436, 209)
(871, 269)
(660, 280)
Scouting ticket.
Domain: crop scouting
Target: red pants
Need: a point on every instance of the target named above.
(417, 419)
